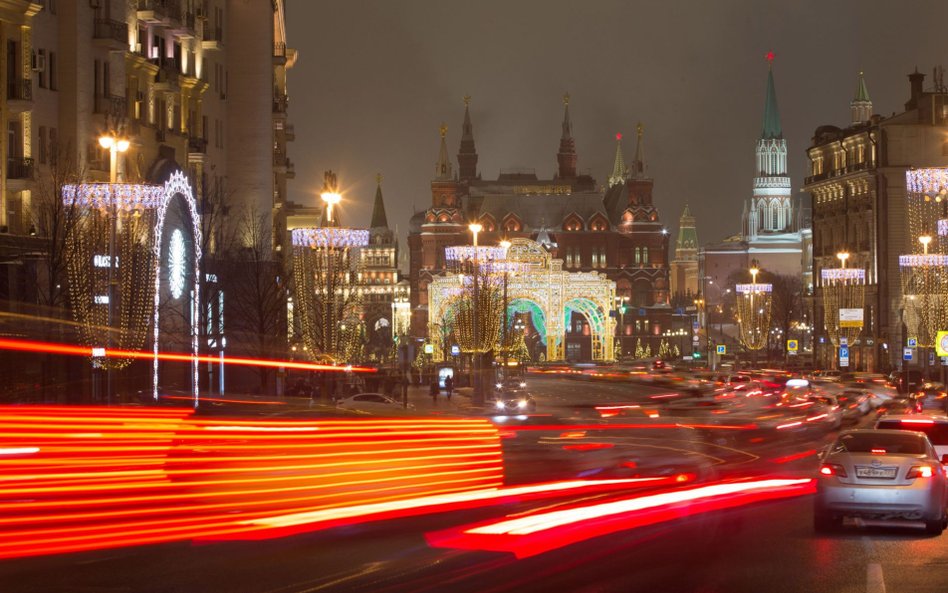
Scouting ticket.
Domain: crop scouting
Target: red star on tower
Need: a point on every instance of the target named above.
(770, 57)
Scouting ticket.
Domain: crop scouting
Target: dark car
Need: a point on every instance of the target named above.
(906, 381)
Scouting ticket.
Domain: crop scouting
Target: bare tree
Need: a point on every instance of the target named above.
(255, 284)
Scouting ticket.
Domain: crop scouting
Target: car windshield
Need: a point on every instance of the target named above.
(868, 442)
(937, 431)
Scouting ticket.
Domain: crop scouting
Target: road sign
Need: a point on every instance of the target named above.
(850, 318)
(687, 358)
(694, 339)
(913, 342)
(694, 325)
(793, 345)
(944, 361)
(941, 343)
(721, 349)
(429, 348)
(906, 354)
(844, 356)
(843, 341)
(455, 350)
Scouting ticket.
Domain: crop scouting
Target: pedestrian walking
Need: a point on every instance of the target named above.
(434, 392)
(449, 386)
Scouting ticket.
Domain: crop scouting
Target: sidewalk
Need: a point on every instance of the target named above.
(460, 402)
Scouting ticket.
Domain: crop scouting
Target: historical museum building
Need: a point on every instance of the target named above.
(857, 180)
(614, 230)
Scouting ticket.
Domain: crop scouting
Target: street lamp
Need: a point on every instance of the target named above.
(505, 244)
(925, 240)
(330, 194)
(475, 228)
(114, 145)
(620, 305)
(842, 256)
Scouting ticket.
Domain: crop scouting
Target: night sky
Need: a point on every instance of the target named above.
(375, 79)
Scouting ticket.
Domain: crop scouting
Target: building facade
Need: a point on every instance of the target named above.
(858, 187)
(684, 268)
(615, 230)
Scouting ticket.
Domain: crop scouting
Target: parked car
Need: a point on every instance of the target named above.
(371, 402)
(881, 474)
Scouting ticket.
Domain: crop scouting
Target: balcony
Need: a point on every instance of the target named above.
(19, 172)
(290, 133)
(279, 54)
(279, 162)
(20, 94)
(183, 27)
(290, 170)
(110, 34)
(197, 145)
(110, 105)
(159, 12)
(213, 38)
(168, 77)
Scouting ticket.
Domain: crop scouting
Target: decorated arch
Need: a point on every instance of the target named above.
(536, 283)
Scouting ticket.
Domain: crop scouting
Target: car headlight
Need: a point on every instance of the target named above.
(499, 404)
(522, 404)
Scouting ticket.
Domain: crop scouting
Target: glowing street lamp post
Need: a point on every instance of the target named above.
(114, 145)
(475, 228)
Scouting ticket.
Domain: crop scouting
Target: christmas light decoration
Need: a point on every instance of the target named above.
(924, 273)
(842, 288)
(536, 284)
(327, 300)
(753, 313)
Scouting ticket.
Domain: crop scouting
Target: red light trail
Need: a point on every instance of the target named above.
(73, 350)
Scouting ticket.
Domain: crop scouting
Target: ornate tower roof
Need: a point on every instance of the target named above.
(378, 209)
(771, 128)
(639, 168)
(467, 153)
(861, 106)
(687, 234)
(566, 157)
(619, 170)
(443, 166)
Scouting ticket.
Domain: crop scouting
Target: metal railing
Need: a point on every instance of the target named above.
(19, 168)
(20, 89)
(109, 105)
(109, 29)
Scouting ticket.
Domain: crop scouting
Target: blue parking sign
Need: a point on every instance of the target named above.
(844, 351)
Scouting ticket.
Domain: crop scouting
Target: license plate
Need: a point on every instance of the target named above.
(875, 472)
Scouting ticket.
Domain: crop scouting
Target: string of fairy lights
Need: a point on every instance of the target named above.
(924, 271)
(843, 289)
(753, 313)
(327, 302)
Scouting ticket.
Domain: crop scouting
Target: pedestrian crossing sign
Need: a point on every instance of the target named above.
(793, 345)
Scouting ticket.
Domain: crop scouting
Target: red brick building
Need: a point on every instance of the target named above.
(614, 229)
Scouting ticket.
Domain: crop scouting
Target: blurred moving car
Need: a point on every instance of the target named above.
(854, 404)
(931, 397)
(514, 402)
(371, 402)
(881, 474)
(935, 427)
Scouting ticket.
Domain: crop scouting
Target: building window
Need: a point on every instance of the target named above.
(638, 255)
(51, 65)
(53, 147)
(645, 255)
(41, 68)
(42, 145)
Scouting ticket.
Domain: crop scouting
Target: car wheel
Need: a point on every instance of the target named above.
(935, 527)
(824, 522)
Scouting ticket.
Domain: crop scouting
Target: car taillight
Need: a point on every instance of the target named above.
(919, 471)
(833, 469)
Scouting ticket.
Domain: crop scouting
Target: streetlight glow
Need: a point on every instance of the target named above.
(925, 240)
(842, 256)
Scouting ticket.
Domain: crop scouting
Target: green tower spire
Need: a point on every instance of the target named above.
(772, 127)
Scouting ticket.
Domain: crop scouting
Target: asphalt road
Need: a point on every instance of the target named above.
(760, 546)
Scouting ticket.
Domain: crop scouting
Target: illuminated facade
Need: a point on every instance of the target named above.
(684, 268)
(857, 181)
(614, 231)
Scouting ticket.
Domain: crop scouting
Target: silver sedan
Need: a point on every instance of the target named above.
(881, 474)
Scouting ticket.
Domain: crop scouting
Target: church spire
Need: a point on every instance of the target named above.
(378, 209)
(467, 154)
(861, 106)
(566, 157)
(771, 128)
(619, 170)
(443, 166)
(639, 168)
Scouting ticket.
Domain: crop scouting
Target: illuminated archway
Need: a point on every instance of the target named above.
(541, 286)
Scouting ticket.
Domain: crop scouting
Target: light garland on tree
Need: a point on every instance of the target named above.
(842, 288)
(753, 314)
(327, 300)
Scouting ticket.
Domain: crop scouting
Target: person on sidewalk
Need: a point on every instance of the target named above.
(449, 386)
(433, 391)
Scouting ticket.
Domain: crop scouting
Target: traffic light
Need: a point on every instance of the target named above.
(696, 355)
(624, 309)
